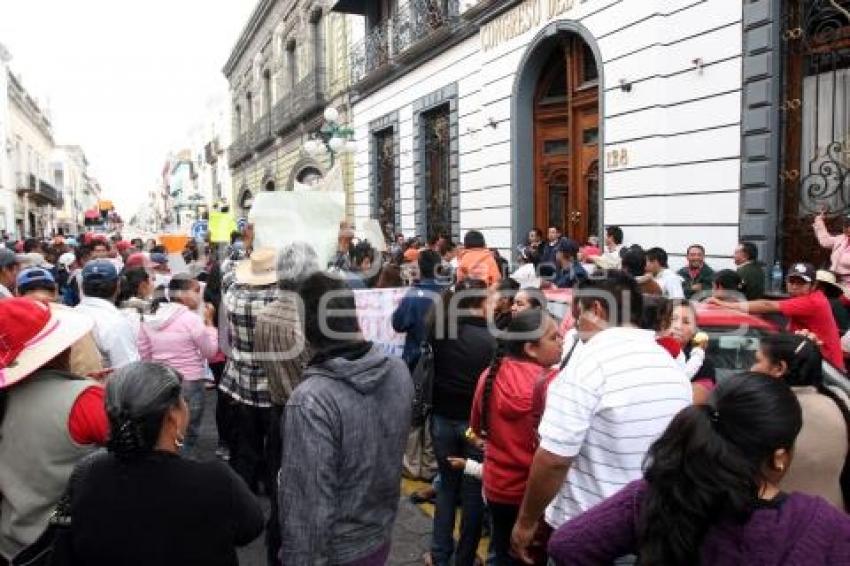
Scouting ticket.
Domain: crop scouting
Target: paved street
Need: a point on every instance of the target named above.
(410, 535)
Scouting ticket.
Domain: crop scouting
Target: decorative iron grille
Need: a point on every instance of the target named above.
(436, 135)
(817, 105)
(385, 193)
(416, 20)
(371, 53)
(815, 114)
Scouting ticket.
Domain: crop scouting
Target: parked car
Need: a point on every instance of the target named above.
(734, 337)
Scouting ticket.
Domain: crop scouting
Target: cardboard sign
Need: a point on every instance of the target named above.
(283, 217)
(221, 224)
(375, 308)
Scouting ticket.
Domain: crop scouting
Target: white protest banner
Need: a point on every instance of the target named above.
(375, 309)
(283, 217)
(371, 231)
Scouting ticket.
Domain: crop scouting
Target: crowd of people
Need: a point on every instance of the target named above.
(604, 435)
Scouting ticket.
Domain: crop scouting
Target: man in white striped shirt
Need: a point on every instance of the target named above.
(614, 398)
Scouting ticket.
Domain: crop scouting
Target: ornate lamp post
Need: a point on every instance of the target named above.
(331, 138)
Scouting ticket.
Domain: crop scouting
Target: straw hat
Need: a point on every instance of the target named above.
(259, 269)
(31, 334)
(825, 277)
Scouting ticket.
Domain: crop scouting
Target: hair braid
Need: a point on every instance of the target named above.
(492, 373)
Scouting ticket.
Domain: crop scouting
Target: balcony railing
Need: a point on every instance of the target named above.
(48, 193)
(371, 53)
(417, 20)
(239, 150)
(307, 96)
(415, 25)
(41, 191)
(261, 133)
(282, 114)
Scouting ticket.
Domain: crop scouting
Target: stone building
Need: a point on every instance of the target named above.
(29, 147)
(682, 121)
(288, 65)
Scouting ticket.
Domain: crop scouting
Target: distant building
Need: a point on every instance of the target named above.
(289, 64)
(29, 141)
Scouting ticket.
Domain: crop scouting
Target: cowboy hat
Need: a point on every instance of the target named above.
(827, 278)
(31, 334)
(259, 269)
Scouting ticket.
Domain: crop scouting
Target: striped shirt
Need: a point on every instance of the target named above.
(280, 347)
(614, 398)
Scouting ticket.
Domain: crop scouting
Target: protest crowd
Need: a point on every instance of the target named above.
(566, 404)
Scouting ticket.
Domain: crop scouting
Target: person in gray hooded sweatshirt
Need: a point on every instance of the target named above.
(344, 432)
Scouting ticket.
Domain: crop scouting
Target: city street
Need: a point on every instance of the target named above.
(411, 534)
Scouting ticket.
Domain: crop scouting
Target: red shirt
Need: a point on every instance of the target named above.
(512, 428)
(87, 423)
(813, 312)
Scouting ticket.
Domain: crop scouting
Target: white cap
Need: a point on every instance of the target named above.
(67, 259)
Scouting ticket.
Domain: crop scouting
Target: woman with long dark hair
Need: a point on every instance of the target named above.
(821, 465)
(711, 492)
(144, 504)
(463, 347)
(507, 409)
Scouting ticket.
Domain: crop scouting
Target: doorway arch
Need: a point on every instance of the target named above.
(539, 133)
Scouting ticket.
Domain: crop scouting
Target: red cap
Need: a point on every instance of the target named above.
(23, 320)
(123, 245)
(138, 259)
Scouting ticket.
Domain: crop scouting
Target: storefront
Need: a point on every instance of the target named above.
(680, 120)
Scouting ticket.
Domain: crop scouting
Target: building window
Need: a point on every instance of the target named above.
(309, 177)
(385, 182)
(267, 93)
(815, 165)
(437, 149)
(237, 121)
(291, 66)
(249, 110)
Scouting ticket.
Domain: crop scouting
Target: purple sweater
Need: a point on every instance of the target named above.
(800, 530)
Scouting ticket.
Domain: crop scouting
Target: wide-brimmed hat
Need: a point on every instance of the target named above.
(605, 262)
(259, 269)
(31, 334)
(828, 279)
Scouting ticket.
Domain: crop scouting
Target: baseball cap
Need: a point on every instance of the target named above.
(138, 259)
(67, 259)
(568, 246)
(34, 275)
(8, 257)
(159, 258)
(100, 270)
(804, 271)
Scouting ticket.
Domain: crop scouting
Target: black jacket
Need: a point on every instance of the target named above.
(163, 510)
(458, 364)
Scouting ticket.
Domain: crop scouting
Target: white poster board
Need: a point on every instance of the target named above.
(375, 308)
(283, 217)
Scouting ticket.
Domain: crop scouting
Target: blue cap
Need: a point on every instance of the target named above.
(100, 270)
(568, 246)
(159, 258)
(34, 275)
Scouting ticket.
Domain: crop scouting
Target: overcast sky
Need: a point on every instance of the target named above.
(125, 80)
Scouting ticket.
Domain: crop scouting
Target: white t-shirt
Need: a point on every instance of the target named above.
(612, 401)
(671, 284)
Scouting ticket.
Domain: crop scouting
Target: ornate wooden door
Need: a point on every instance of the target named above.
(815, 170)
(566, 142)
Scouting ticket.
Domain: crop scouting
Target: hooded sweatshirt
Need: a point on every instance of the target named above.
(512, 427)
(792, 529)
(344, 432)
(478, 263)
(177, 337)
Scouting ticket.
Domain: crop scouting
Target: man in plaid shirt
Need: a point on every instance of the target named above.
(252, 286)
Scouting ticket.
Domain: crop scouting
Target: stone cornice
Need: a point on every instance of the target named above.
(254, 23)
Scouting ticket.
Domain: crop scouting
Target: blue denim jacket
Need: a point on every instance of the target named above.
(411, 315)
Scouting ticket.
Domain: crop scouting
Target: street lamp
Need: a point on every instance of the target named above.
(332, 137)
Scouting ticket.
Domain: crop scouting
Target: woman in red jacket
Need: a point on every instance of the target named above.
(506, 410)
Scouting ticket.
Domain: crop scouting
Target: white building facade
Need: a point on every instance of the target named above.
(682, 121)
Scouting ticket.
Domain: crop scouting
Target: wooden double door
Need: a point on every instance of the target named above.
(566, 142)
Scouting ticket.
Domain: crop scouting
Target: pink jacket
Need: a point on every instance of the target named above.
(177, 337)
(840, 246)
